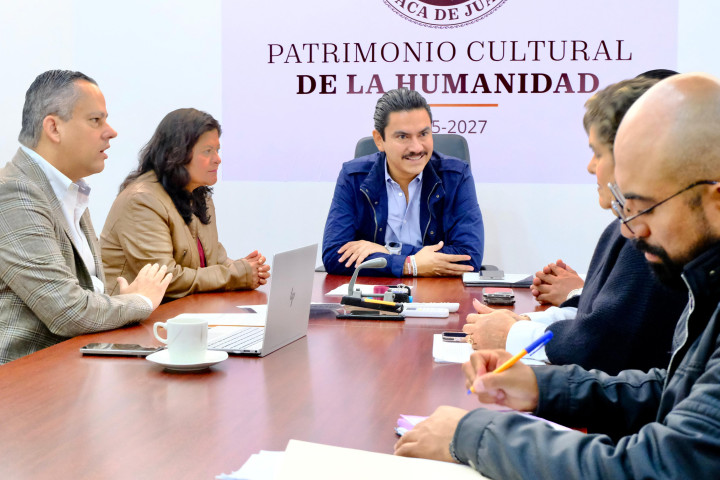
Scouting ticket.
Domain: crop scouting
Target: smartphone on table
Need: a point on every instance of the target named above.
(454, 336)
(118, 349)
(498, 296)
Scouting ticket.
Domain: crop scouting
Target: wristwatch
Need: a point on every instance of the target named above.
(394, 247)
(574, 293)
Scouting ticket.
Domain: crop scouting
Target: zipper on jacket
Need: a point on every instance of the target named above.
(374, 214)
(430, 215)
(690, 309)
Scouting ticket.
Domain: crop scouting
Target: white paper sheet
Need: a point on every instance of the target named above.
(450, 352)
(324, 462)
(260, 466)
(343, 290)
(459, 352)
(256, 319)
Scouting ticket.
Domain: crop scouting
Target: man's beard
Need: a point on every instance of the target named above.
(667, 270)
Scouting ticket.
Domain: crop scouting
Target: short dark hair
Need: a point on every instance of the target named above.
(167, 154)
(51, 93)
(398, 100)
(658, 73)
(607, 107)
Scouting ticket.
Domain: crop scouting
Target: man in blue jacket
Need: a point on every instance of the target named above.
(407, 203)
(656, 424)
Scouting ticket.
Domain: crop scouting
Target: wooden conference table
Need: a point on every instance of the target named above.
(69, 416)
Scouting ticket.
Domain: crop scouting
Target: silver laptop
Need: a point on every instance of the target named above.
(288, 308)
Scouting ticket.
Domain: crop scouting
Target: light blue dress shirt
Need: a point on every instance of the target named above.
(403, 224)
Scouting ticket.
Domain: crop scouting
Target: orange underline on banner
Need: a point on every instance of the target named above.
(463, 104)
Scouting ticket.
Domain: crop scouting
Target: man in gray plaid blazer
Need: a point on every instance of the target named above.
(51, 276)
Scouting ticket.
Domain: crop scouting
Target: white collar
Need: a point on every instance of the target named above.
(59, 182)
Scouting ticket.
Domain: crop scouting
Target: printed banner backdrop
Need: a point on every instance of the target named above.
(301, 78)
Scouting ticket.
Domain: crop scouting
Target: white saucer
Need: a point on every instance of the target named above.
(163, 358)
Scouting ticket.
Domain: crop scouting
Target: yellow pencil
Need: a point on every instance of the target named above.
(529, 350)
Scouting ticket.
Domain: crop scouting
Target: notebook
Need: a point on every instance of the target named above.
(288, 308)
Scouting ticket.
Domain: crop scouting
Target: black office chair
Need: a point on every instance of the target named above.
(447, 143)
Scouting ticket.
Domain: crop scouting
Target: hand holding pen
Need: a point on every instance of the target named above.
(497, 377)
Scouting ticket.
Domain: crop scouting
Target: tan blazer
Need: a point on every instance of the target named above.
(46, 293)
(144, 226)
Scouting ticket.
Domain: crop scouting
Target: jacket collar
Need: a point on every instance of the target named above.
(702, 274)
(432, 178)
(374, 183)
(34, 172)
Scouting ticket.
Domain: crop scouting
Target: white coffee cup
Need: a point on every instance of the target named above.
(186, 338)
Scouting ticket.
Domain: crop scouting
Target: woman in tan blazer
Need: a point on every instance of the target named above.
(164, 214)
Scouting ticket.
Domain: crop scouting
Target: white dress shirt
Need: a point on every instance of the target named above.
(524, 332)
(74, 198)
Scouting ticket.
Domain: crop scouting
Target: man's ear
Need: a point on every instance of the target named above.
(715, 196)
(379, 142)
(50, 128)
(712, 210)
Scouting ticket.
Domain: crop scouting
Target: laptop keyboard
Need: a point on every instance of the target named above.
(240, 340)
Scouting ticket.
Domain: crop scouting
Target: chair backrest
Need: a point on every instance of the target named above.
(447, 143)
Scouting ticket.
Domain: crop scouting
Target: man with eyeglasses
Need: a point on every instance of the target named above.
(624, 318)
(666, 268)
(666, 422)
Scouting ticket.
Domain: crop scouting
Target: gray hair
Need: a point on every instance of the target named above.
(398, 100)
(52, 93)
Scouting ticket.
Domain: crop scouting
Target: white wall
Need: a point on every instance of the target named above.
(151, 57)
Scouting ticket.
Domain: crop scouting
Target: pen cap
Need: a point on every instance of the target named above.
(537, 344)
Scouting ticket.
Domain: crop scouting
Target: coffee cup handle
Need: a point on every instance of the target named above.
(155, 331)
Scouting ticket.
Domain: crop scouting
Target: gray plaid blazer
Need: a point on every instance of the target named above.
(46, 293)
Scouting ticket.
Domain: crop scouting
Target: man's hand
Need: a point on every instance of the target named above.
(516, 387)
(151, 281)
(431, 437)
(431, 263)
(260, 271)
(489, 327)
(555, 282)
(357, 251)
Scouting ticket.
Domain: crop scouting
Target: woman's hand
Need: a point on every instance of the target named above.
(260, 271)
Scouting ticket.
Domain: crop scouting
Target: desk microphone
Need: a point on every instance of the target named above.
(379, 262)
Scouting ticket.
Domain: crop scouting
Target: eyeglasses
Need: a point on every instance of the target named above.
(618, 205)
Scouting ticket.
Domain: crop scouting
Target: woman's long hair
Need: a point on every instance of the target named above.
(167, 154)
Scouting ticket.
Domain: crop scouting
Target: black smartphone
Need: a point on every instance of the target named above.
(453, 336)
(368, 316)
(118, 349)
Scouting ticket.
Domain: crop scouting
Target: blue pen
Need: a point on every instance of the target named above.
(529, 350)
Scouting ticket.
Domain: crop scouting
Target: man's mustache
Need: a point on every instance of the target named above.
(643, 246)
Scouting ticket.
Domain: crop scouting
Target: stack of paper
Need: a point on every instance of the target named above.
(323, 462)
